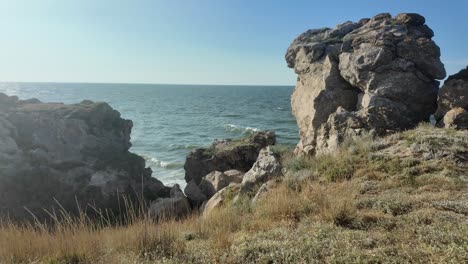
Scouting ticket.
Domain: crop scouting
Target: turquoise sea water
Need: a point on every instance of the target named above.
(170, 120)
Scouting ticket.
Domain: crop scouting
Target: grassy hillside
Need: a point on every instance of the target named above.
(399, 199)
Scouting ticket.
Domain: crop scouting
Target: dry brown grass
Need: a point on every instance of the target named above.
(400, 199)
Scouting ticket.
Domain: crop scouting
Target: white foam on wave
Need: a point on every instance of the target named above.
(243, 130)
(154, 162)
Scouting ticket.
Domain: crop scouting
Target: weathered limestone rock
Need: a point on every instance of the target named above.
(453, 101)
(266, 167)
(176, 206)
(220, 198)
(211, 184)
(226, 155)
(374, 75)
(264, 189)
(234, 176)
(456, 118)
(52, 150)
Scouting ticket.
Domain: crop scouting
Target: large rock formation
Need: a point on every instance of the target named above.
(375, 75)
(226, 155)
(70, 153)
(452, 110)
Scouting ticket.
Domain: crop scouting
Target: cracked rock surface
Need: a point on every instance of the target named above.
(376, 75)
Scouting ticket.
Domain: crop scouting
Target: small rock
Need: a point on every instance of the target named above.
(456, 118)
(195, 194)
(235, 175)
(224, 155)
(220, 198)
(217, 179)
(263, 191)
(176, 206)
(266, 167)
(453, 102)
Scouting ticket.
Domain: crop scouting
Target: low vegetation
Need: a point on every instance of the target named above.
(398, 199)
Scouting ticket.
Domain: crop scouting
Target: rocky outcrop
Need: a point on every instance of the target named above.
(176, 206)
(455, 118)
(267, 167)
(374, 75)
(226, 155)
(220, 198)
(452, 110)
(212, 183)
(195, 195)
(69, 153)
(264, 190)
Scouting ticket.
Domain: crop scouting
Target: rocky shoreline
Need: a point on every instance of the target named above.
(377, 76)
(70, 154)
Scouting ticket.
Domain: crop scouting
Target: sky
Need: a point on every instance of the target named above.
(189, 41)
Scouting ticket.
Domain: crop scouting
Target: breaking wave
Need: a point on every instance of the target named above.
(240, 129)
(154, 162)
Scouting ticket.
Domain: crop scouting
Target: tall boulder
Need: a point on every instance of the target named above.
(69, 153)
(452, 110)
(224, 155)
(375, 75)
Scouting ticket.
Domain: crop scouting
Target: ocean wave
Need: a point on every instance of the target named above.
(240, 129)
(231, 115)
(183, 146)
(154, 162)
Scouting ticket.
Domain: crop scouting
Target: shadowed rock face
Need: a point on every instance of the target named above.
(55, 151)
(374, 75)
(452, 110)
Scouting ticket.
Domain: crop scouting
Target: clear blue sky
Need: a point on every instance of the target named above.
(190, 41)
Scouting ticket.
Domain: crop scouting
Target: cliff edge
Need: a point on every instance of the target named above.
(70, 153)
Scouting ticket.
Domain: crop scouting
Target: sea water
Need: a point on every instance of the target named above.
(171, 120)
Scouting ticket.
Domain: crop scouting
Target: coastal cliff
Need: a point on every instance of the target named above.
(371, 181)
(68, 153)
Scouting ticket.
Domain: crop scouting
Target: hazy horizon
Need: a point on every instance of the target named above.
(172, 42)
(136, 83)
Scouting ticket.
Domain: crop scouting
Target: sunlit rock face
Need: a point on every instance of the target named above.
(68, 153)
(376, 75)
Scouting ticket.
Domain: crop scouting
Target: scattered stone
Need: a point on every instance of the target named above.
(226, 155)
(195, 194)
(264, 189)
(176, 206)
(453, 102)
(234, 175)
(455, 118)
(218, 180)
(266, 167)
(220, 198)
(210, 184)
